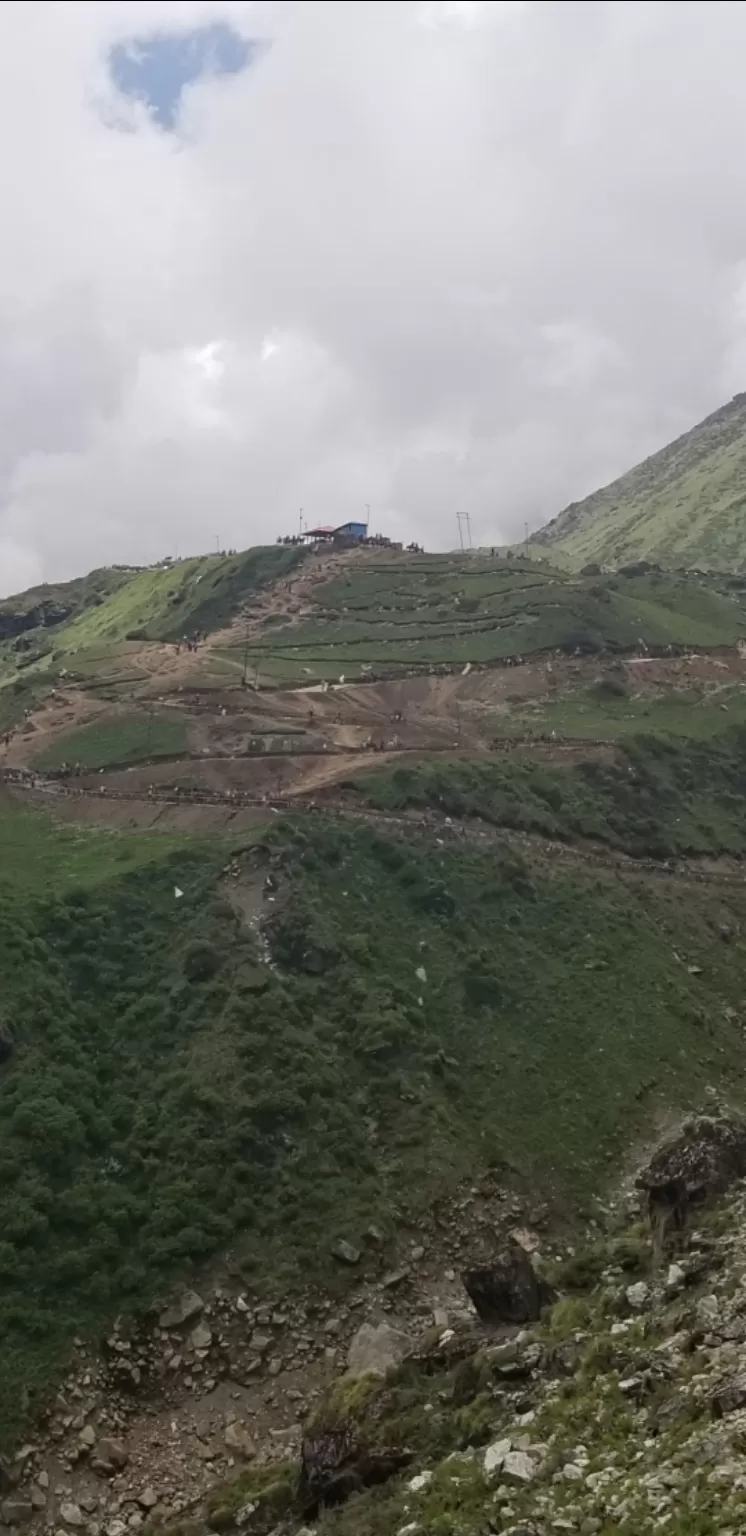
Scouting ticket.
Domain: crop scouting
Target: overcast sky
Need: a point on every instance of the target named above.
(431, 257)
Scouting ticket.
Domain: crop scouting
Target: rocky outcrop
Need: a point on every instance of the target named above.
(337, 1463)
(508, 1290)
(44, 614)
(702, 1161)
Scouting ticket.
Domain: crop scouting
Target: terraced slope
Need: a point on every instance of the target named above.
(685, 505)
(413, 612)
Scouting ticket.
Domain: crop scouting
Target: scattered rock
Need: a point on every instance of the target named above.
(376, 1350)
(419, 1482)
(148, 1498)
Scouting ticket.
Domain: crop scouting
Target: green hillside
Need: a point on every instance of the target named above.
(169, 1093)
(87, 627)
(685, 505)
(446, 610)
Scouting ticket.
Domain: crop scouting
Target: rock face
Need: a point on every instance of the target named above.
(508, 1290)
(376, 1350)
(44, 613)
(703, 1160)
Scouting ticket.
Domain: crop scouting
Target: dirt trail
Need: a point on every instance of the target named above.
(198, 812)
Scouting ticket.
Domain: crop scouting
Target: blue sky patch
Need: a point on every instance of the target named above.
(155, 68)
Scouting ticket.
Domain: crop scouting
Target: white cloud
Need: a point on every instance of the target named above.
(433, 257)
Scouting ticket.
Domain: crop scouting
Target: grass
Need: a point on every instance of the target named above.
(663, 798)
(427, 613)
(107, 612)
(46, 859)
(685, 505)
(598, 713)
(169, 1094)
(115, 742)
(190, 597)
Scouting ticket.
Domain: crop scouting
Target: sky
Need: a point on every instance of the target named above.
(430, 257)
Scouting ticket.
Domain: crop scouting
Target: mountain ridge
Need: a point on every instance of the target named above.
(683, 505)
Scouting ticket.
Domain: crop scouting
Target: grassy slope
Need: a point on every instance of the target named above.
(603, 712)
(74, 595)
(686, 505)
(661, 799)
(117, 741)
(449, 610)
(191, 596)
(168, 1093)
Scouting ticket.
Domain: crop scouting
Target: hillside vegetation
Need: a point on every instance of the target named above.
(685, 505)
(397, 615)
(660, 799)
(93, 628)
(169, 1093)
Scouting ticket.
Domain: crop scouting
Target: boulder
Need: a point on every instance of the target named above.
(72, 1514)
(375, 1350)
(201, 1337)
(346, 1252)
(188, 1305)
(519, 1466)
(336, 1463)
(494, 1456)
(508, 1290)
(638, 1295)
(113, 1453)
(238, 1440)
(730, 1396)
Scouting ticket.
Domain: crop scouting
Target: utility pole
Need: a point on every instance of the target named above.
(464, 521)
(217, 543)
(526, 528)
(300, 523)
